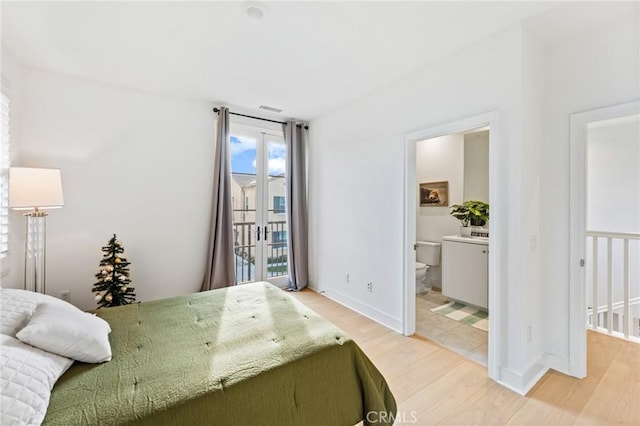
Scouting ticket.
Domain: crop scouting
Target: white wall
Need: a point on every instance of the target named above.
(476, 166)
(357, 154)
(598, 69)
(439, 159)
(532, 305)
(613, 176)
(133, 163)
(463, 161)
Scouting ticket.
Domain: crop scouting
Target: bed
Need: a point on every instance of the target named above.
(246, 355)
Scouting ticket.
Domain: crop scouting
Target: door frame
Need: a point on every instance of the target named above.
(579, 124)
(410, 205)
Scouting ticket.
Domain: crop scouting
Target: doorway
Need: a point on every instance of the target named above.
(604, 284)
(258, 159)
(452, 173)
(410, 210)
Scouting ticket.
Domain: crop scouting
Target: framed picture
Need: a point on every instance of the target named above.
(434, 194)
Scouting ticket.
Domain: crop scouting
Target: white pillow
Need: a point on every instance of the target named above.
(17, 306)
(67, 331)
(27, 376)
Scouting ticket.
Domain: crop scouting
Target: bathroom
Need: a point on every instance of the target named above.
(451, 260)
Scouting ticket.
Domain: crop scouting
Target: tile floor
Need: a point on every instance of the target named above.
(454, 335)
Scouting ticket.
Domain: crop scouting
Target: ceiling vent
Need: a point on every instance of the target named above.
(270, 109)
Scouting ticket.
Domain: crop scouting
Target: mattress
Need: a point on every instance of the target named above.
(245, 355)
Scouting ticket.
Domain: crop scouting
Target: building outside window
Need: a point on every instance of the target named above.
(278, 204)
(279, 239)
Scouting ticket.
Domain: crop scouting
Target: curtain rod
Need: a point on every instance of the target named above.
(217, 110)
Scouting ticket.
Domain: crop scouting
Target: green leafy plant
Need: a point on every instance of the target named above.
(471, 212)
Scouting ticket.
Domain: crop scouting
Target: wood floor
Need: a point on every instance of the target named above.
(433, 385)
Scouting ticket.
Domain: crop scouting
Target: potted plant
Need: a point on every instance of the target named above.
(471, 212)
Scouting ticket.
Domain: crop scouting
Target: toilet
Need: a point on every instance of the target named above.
(427, 254)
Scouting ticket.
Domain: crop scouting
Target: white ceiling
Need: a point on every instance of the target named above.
(303, 57)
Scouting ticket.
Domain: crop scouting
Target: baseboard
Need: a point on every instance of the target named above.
(522, 382)
(557, 362)
(364, 309)
(536, 370)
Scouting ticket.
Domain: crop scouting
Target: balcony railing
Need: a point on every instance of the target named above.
(614, 291)
(245, 239)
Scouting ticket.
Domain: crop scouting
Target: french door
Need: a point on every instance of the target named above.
(258, 161)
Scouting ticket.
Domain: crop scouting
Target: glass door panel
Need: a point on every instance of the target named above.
(258, 196)
(244, 151)
(276, 224)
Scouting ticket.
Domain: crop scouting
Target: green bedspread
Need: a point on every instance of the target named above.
(246, 355)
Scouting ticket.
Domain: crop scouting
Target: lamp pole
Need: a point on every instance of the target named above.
(35, 251)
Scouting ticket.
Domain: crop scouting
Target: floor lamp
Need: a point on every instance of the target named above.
(35, 190)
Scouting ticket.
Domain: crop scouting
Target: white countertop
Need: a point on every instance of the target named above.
(468, 240)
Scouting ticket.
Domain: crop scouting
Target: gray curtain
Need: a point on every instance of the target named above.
(296, 206)
(220, 263)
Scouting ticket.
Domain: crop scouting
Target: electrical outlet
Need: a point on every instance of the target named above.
(65, 295)
(346, 278)
(370, 287)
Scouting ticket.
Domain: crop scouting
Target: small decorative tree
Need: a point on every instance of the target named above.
(114, 286)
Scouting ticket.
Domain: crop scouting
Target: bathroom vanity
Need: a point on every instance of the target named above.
(465, 267)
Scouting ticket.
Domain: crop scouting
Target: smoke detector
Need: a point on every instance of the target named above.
(254, 9)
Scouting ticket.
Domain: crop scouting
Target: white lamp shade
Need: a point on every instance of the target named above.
(31, 188)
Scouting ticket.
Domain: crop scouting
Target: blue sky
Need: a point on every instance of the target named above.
(243, 156)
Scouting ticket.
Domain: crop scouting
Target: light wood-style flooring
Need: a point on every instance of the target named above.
(437, 386)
